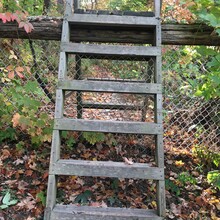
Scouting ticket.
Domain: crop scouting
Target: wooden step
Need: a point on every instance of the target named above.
(71, 212)
(95, 51)
(115, 12)
(122, 127)
(111, 106)
(106, 169)
(112, 20)
(105, 86)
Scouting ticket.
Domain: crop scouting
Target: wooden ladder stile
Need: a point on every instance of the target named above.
(145, 87)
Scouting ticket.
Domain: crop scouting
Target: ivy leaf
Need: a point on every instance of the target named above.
(42, 197)
(6, 198)
(83, 197)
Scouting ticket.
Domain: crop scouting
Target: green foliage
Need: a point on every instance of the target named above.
(68, 139)
(207, 11)
(115, 184)
(185, 178)
(209, 86)
(128, 5)
(84, 197)
(7, 201)
(21, 108)
(207, 157)
(42, 197)
(94, 137)
(20, 146)
(214, 178)
(196, 71)
(33, 7)
(171, 186)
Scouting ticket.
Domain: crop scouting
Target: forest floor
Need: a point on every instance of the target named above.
(24, 173)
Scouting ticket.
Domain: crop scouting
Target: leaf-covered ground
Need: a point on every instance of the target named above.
(24, 172)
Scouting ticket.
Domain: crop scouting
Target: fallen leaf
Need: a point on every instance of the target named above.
(128, 161)
(18, 161)
(28, 172)
(15, 119)
(22, 185)
(175, 209)
(28, 203)
(5, 154)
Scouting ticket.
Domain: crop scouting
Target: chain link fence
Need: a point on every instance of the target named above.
(29, 71)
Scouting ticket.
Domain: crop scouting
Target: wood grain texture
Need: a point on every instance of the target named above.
(106, 169)
(116, 12)
(112, 20)
(109, 87)
(122, 127)
(110, 50)
(62, 212)
(172, 34)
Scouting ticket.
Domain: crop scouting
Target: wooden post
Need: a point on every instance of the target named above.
(157, 8)
(56, 142)
(78, 76)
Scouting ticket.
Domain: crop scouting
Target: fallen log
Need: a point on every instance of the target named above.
(172, 34)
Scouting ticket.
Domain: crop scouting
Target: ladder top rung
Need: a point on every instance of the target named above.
(110, 87)
(115, 12)
(71, 212)
(106, 169)
(122, 127)
(112, 20)
(110, 50)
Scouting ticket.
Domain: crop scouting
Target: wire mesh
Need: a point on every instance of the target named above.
(116, 5)
(189, 121)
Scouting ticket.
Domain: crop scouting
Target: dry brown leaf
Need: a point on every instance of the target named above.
(15, 119)
(22, 185)
(128, 161)
(5, 154)
(28, 172)
(27, 203)
(175, 209)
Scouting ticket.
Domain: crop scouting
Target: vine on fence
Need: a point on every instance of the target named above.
(20, 18)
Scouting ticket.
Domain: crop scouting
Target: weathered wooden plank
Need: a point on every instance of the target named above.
(62, 212)
(117, 12)
(118, 87)
(172, 34)
(112, 20)
(59, 103)
(110, 50)
(157, 7)
(116, 80)
(112, 106)
(51, 196)
(106, 169)
(122, 127)
(161, 199)
(55, 149)
(69, 7)
(78, 76)
(65, 32)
